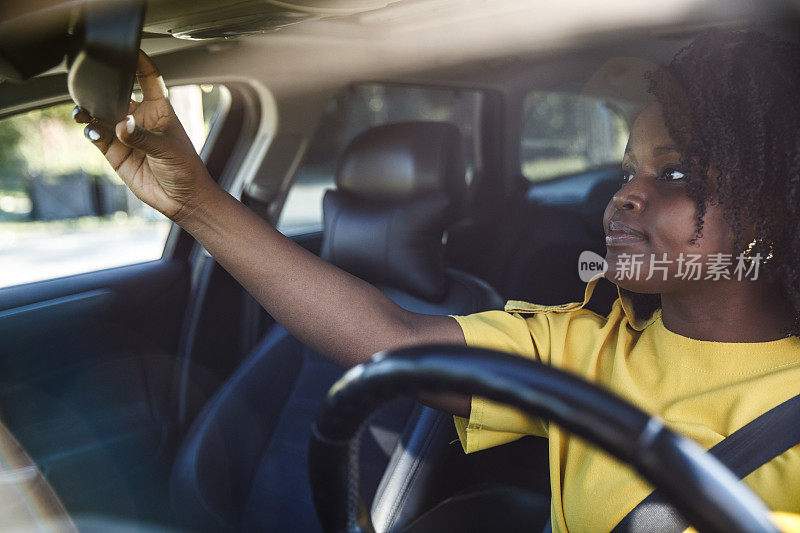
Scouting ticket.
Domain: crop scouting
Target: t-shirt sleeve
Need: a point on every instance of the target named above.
(491, 424)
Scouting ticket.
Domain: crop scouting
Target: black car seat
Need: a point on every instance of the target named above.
(553, 223)
(243, 464)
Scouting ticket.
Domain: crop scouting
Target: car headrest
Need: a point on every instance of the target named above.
(402, 161)
(399, 187)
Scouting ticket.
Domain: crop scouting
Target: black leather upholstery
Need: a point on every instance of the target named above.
(398, 189)
(212, 474)
(243, 465)
(403, 161)
(397, 244)
(487, 508)
(402, 493)
(552, 224)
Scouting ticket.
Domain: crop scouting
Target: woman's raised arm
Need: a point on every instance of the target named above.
(338, 315)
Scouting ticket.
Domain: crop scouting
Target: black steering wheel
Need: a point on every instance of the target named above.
(704, 491)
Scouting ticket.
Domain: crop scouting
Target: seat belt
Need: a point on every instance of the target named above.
(743, 451)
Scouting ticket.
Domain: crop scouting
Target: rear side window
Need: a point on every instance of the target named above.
(362, 107)
(63, 210)
(569, 133)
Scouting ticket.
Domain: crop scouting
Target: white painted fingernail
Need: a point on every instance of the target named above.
(93, 135)
(130, 124)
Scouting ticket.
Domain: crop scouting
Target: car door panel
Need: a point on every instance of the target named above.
(86, 366)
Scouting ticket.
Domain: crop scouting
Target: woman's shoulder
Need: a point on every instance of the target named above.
(537, 330)
(580, 313)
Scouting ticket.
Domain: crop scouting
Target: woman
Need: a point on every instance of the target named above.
(711, 174)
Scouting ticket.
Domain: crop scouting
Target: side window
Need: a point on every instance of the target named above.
(362, 107)
(63, 210)
(569, 133)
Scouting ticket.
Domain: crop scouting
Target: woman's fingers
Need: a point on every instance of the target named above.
(117, 141)
(100, 135)
(150, 80)
(129, 132)
(80, 115)
(116, 154)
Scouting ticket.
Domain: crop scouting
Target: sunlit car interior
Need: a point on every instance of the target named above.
(150, 390)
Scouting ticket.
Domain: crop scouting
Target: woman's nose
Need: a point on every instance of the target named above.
(631, 197)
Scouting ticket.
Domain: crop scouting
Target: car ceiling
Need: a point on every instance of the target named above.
(470, 42)
(454, 42)
(507, 46)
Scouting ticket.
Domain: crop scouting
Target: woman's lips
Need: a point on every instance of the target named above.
(619, 238)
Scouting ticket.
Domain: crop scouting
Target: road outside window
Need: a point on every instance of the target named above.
(63, 210)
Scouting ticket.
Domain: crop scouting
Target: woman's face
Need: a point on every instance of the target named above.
(651, 215)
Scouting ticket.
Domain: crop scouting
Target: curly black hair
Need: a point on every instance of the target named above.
(730, 100)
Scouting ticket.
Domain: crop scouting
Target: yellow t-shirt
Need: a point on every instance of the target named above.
(704, 390)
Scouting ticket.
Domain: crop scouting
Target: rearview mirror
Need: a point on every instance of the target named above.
(102, 68)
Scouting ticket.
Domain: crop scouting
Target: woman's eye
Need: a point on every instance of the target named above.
(673, 175)
(627, 176)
